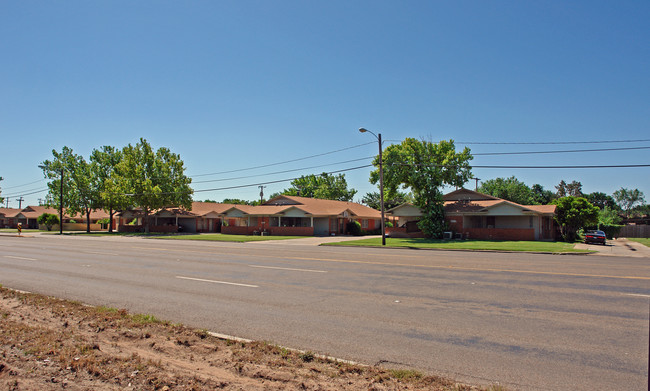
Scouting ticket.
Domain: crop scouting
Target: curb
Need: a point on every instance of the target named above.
(466, 250)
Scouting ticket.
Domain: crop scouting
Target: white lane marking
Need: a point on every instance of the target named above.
(217, 282)
(636, 294)
(23, 258)
(99, 253)
(288, 268)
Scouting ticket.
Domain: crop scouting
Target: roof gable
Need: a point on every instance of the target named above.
(466, 194)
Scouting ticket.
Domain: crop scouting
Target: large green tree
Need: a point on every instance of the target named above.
(510, 189)
(373, 199)
(573, 189)
(153, 179)
(103, 164)
(1, 198)
(627, 199)
(325, 186)
(423, 168)
(80, 193)
(602, 200)
(573, 213)
(541, 195)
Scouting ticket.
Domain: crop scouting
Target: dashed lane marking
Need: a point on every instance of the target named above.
(217, 282)
(288, 268)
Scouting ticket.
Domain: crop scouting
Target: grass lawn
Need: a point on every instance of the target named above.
(643, 241)
(553, 247)
(228, 238)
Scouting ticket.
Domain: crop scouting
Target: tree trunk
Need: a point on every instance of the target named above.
(110, 220)
(87, 220)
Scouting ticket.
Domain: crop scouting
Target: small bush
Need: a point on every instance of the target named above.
(354, 228)
(307, 356)
(48, 220)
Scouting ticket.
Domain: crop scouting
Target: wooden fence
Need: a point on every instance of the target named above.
(635, 231)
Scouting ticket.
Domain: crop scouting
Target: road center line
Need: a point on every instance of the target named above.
(288, 268)
(636, 295)
(441, 267)
(217, 282)
(23, 258)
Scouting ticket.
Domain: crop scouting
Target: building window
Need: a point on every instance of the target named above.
(364, 223)
(530, 221)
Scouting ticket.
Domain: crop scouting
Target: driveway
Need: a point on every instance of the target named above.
(620, 247)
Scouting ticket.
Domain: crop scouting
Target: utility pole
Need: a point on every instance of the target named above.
(7, 199)
(20, 202)
(40, 202)
(476, 179)
(261, 193)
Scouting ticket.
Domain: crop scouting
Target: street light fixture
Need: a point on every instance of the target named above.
(381, 184)
(60, 201)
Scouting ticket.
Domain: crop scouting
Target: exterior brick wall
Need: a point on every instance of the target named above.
(499, 233)
(292, 231)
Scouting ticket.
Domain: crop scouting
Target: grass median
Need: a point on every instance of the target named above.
(643, 241)
(493, 245)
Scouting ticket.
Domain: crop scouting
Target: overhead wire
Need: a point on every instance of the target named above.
(286, 161)
(557, 151)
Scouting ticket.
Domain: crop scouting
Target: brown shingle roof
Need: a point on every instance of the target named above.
(9, 212)
(319, 207)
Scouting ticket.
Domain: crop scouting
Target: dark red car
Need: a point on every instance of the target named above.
(597, 237)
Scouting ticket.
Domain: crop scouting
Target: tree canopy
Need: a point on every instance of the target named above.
(152, 179)
(373, 199)
(627, 199)
(423, 168)
(602, 200)
(325, 186)
(80, 192)
(573, 189)
(542, 196)
(573, 213)
(136, 176)
(510, 189)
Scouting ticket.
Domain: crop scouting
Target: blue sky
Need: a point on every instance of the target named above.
(236, 84)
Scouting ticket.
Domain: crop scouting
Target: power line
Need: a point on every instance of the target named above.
(285, 162)
(26, 184)
(560, 151)
(540, 142)
(553, 142)
(25, 194)
(524, 167)
(282, 172)
(251, 184)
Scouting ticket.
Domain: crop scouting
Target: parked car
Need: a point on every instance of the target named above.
(597, 237)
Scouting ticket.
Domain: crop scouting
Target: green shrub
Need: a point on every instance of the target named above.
(354, 228)
(48, 220)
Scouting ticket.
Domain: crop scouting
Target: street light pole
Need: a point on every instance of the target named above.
(381, 184)
(61, 206)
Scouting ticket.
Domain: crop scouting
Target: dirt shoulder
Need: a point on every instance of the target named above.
(52, 344)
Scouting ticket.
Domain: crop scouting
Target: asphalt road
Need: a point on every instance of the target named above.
(527, 321)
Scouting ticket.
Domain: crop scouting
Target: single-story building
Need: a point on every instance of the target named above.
(474, 215)
(293, 215)
(8, 217)
(282, 215)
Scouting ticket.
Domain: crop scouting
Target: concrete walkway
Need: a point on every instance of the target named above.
(620, 247)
